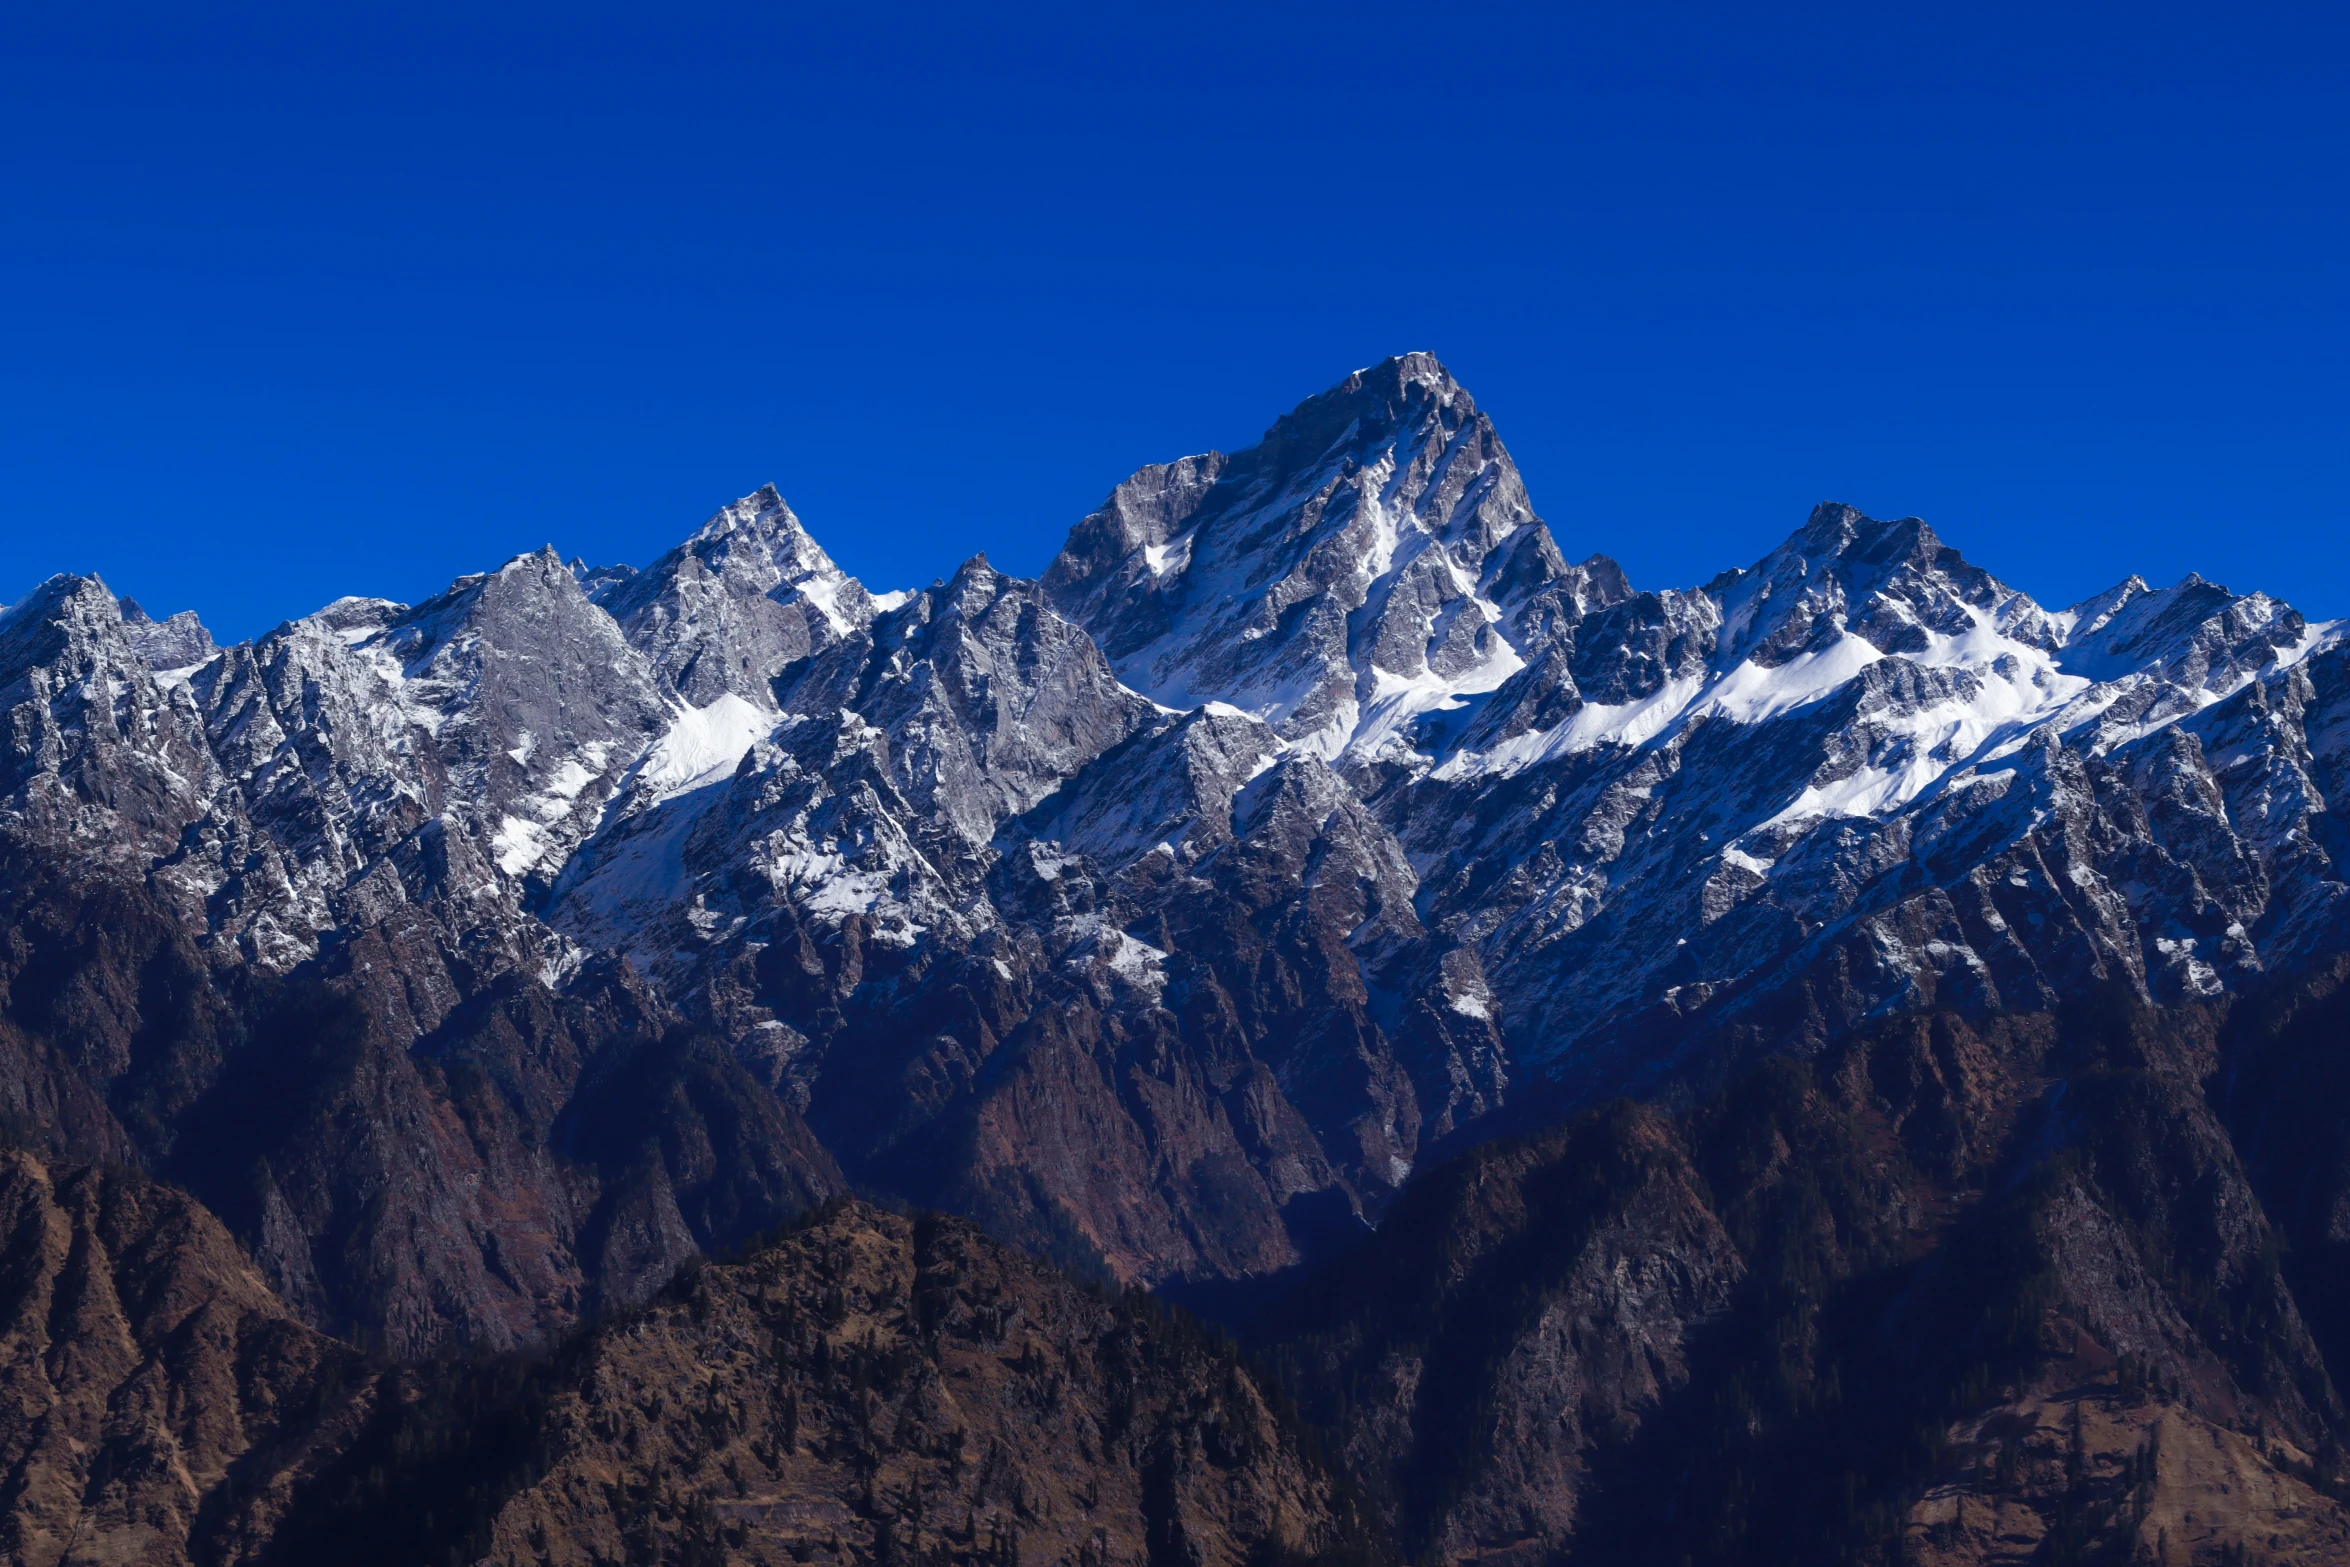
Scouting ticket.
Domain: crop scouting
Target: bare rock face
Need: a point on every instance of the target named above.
(178, 644)
(102, 762)
(2111, 1466)
(160, 1404)
(870, 1389)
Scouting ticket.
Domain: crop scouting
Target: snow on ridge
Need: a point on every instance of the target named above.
(2316, 638)
(182, 677)
(2017, 687)
(1752, 694)
(1396, 701)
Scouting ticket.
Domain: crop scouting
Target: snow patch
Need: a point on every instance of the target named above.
(702, 745)
(174, 679)
(1168, 560)
(823, 592)
(518, 844)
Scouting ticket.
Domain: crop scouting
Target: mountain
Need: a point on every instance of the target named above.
(728, 610)
(1183, 916)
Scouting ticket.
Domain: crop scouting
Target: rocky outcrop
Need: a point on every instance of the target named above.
(177, 645)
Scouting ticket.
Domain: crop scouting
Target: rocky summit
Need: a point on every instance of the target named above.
(1836, 1063)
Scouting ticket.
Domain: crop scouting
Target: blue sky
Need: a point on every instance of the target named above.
(300, 306)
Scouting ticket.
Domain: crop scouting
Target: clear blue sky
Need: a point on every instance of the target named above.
(297, 307)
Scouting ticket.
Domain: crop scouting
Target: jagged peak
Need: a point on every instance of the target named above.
(2134, 596)
(539, 569)
(599, 582)
(1845, 540)
(536, 579)
(180, 641)
(974, 586)
(1892, 581)
(545, 562)
(765, 520)
(1838, 530)
(763, 511)
(1413, 365)
(1367, 409)
(1386, 499)
(755, 545)
(2132, 626)
(357, 612)
(68, 611)
(66, 587)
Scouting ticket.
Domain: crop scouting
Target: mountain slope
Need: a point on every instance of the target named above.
(160, 1405)
(868, 1389)
(1948, 1295)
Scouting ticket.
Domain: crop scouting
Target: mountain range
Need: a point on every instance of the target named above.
(1523, 1005)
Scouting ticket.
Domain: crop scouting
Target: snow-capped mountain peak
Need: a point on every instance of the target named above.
(1374, 557)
